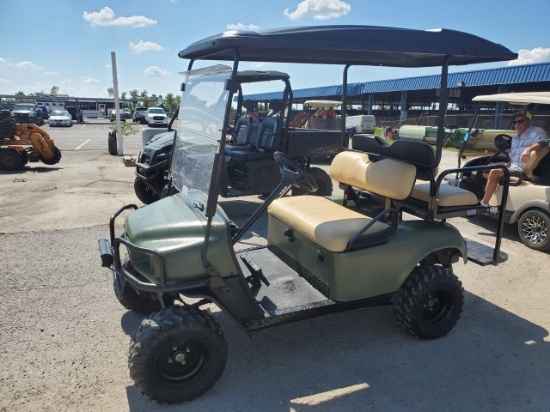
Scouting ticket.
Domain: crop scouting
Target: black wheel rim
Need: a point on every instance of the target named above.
(534, 229)
(438, 306)
(180, 362)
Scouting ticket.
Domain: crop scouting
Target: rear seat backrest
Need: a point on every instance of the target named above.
(242, 129)
(267, 133)
(390, 178)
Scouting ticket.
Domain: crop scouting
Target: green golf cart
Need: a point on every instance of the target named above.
(182, 253)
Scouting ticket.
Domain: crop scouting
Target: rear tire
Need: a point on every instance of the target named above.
(533, 229)
(429, 303)
(10, 159)
(177, 354)
(144, 192)
(323, 180)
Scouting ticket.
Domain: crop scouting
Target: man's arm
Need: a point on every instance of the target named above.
(529, 149)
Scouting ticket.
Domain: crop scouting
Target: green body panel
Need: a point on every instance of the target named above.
(171, 228)
(372, 271)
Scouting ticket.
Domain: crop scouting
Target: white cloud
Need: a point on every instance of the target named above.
(89, 80)
(106, 17)
(51, 73)
(319, 10)
(241, 26)
(25, 65)
(2, 60)
(145, 46)
(536, 55)
(4, 81)
(155, 71)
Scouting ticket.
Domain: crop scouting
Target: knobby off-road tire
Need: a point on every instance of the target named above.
(323, 180)
(134, 300)
(429, 303)
(177, 354)
(144, 192)
(54, 159)
(534, 229)
(10, 159)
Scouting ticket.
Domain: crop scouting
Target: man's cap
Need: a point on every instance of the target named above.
(522, 113)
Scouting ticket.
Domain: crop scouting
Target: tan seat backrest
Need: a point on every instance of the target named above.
(387, 177)
(534, 159)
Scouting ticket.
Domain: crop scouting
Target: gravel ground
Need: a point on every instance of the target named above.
(64, 338)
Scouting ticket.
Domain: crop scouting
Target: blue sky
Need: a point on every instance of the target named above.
(68, 43)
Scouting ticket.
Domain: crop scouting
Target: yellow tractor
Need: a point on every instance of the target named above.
(23, 143)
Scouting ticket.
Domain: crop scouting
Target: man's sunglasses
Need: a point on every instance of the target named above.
(520, 121)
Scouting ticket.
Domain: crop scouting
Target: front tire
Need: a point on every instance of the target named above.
(429, 303)
(177, 354)
(323, 180)
(137, 301)
(533, 226)
(52, 160)
(144, 192)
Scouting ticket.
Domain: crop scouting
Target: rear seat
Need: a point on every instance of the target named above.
(426, 200)
(338, 228)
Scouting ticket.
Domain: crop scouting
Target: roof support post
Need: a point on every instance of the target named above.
(443, 101)
(404, 107)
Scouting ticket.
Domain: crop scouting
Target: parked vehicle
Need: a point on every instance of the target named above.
(156, 116)
(27, 113)
(44, 112)
(528, 198)
(60, 118)
(139, 114)
(76, 114)
(124, 114)
(324, 254)
(21, 143)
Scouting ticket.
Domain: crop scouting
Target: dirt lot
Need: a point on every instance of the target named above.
(64, 338)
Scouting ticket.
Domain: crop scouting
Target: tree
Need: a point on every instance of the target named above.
(145, 97)
(54, 90)
(123, 95)
(111, 92)
(171, 102)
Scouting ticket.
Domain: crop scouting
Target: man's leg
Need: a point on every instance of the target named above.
(493, 177)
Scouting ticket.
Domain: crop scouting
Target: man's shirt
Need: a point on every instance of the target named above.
(530, 136)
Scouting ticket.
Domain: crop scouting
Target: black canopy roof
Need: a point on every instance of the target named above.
(354, 45)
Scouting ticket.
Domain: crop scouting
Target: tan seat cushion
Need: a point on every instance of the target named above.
(448, 195)
(326, 223)
(387, 177)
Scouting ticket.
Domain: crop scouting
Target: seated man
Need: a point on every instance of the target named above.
(528, 139)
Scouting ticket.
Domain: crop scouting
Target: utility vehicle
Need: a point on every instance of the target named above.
(249, 168)
(323, 254)
(528, 198)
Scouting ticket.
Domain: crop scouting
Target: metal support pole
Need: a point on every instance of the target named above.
(117, 106)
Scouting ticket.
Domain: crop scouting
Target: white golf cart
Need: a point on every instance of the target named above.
(528, 202)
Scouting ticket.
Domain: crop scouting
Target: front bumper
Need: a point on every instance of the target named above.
(109, 252)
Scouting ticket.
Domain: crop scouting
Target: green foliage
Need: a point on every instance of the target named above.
(126, 128)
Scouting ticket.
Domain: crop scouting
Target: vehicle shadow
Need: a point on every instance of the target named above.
(30, 169)
(493, 360)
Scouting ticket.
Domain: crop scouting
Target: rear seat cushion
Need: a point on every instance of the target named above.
(448, 195)
(321, 220)
(387, 177)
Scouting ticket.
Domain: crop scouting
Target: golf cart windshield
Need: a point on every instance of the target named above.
(199, 126)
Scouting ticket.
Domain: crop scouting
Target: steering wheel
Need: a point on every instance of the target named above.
(503, 142)
(294, 174)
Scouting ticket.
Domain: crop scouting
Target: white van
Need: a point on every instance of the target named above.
(364, 123)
